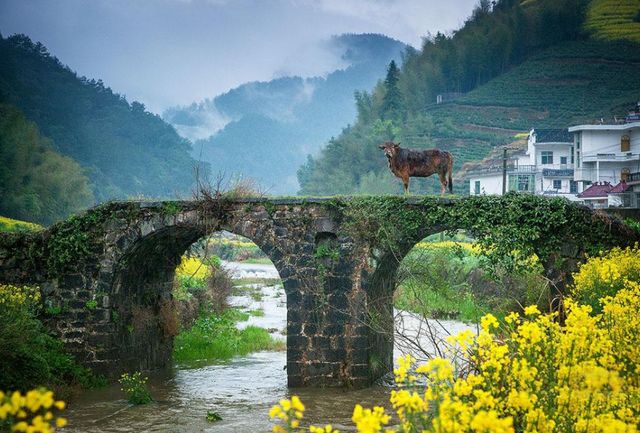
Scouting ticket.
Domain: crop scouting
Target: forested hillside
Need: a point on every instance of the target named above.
(513, 66)
(123, 149)
(36, 182)
(264, 130)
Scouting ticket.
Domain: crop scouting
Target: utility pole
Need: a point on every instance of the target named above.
(504, 170)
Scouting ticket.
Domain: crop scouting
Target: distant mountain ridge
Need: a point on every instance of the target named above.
(124, 150)
(265, 130)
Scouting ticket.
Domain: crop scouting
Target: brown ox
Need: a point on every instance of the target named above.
(405, 163)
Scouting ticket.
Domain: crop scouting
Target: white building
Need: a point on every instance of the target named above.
(607, 153)
(545, 167)
(598, 165)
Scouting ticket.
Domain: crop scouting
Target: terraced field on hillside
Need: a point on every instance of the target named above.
(614, 19)
(571, 83)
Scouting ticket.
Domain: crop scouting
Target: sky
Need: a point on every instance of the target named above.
(174, 52)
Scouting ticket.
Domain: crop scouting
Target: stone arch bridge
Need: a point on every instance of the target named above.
(106, 275)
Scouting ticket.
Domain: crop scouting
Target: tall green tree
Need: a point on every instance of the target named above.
(36, 183)
(392, 101)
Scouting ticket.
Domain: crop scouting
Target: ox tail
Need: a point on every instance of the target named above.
(450, 170)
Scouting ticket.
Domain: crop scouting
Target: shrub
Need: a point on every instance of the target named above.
(135, 386)
(605, 275)
(30, 357)
(30, 412)
(528, 374)
(449, 279)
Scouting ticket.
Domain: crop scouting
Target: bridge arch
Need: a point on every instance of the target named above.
(143, 273)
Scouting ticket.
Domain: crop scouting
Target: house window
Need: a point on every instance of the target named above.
(521, 182)
(625, 144)
(546, 157)
(572, 156)
(524, 183)
(563, 160)
(557, 184)
(476, 187)
(578, 159)
(573, 187)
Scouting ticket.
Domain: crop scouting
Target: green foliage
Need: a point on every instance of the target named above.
(392, 100)
(125, 150)
(444, 280)
(37, 182)
(213, 416)
(436, 283)
(135, 387)
(71, 242)
(171, 208)
(509, 229)
(215, 337)
(327, 251)
(91, 305)
(30, 356)
(633, 224)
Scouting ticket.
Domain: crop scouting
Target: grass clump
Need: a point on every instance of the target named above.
(215, 337)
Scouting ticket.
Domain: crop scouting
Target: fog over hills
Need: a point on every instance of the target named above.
(265, 130)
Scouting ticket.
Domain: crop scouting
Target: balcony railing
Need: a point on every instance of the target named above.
(522, 169)
(611, 157)
(487, 170)
(557, 172)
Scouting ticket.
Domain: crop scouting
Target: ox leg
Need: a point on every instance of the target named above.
(405, 183)
(443, 183)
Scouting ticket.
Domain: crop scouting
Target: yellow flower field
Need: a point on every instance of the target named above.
(529, 374)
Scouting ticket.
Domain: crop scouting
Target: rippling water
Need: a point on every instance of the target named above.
(241, 391)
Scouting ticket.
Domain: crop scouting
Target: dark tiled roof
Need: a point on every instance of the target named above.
(596, 190)
(621, 187)
(553, 136)
(602, 189)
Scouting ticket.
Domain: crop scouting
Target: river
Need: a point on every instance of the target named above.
(242, 390)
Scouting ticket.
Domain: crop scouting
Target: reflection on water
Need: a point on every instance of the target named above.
(241, 391)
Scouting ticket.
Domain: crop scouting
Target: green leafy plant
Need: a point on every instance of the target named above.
(135, 387)
(171, 208)
(213, 416)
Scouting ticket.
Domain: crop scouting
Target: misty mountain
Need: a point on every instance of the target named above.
(265, 130)
(122, 148)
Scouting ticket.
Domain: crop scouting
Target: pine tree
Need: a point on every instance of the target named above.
(392, 103)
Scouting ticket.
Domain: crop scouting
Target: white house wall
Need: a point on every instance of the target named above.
(559, 150)
(489, 184)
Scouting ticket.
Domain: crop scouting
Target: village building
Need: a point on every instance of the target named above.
(544, 167)
(597, 164)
